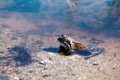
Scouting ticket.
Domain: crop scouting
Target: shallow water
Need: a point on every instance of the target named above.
(28, 31)
(54, 17)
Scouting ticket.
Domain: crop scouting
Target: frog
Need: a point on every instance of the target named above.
(68, 45)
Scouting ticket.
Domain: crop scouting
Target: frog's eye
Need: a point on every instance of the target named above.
(60, 40)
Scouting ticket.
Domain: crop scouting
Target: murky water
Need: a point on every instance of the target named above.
(53, 17)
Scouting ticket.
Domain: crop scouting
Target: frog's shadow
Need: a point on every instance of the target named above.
(51, 49)
(83, 53)
(79, 52)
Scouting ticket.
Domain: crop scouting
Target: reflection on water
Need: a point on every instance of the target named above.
(47, 17)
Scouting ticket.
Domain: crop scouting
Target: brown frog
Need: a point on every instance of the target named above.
(69, 46)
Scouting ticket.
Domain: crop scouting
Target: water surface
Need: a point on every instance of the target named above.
(51, 17)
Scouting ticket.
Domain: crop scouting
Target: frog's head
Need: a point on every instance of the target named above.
(62, 38)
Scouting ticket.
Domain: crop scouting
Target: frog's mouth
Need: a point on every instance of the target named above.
(63, 43)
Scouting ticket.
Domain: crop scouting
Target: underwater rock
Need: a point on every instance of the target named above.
(95, 64)
(4, 77)
(45, 62)
(46, 75)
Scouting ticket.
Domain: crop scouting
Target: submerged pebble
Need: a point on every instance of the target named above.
(45, 62)
(96, 41)
(46, 75)
(95, 64)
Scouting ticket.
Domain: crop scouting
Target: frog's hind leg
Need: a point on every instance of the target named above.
(80, 46)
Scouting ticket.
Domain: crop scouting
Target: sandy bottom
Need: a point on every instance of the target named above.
(35, 58)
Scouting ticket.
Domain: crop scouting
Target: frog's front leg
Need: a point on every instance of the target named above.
(64, 51)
